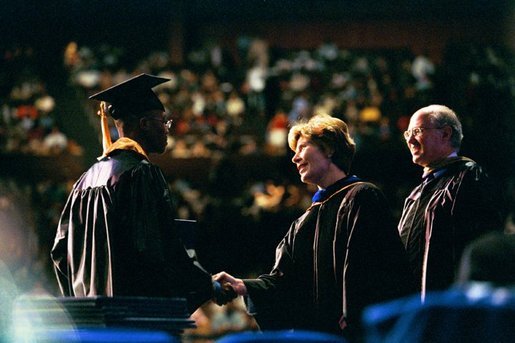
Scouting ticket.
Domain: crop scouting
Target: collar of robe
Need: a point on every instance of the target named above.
(323, 194)
(125, 143)
(443, 164)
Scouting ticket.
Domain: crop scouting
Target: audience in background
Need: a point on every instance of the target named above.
(248, 96)
(216, 115)
(374, 91)
(28, 113)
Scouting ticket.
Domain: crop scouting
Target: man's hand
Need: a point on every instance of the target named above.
(223, 293)
(237, 284)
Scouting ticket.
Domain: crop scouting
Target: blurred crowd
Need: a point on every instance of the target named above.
(29, 116)
(221, 104)
(225, 103)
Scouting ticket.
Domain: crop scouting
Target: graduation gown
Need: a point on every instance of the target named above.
(116, 236)
(453, 206)
(341, 255)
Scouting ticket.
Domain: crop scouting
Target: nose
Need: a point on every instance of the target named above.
(296, 158)
(411, 139)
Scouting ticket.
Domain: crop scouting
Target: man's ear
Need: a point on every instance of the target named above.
(447, 132)
(143, 123)
(330, 153)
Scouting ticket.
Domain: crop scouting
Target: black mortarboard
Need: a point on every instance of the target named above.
(134, 96)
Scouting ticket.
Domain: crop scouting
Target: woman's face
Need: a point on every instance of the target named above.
(312, 163)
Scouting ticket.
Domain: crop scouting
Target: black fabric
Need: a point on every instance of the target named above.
(340, 256)
(441, 216)
(116, 236)
(133, 96)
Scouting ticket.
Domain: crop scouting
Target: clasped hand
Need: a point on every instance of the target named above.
(231, 288)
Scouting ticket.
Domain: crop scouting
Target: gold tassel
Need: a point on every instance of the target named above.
(106, 135)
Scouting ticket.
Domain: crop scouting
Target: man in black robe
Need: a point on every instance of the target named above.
(116, 235)
(341, 255)
(452, 206)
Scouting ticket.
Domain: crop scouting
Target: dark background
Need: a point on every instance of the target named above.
(180, 26)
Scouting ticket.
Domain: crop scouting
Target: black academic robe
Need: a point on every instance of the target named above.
(116, 236)
(441, 216)
(341, 255)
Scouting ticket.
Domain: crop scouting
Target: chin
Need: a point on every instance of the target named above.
(162, 148)
(421, 163)
(158, 151)
(161, 151)
(308, 181)
(416, 159)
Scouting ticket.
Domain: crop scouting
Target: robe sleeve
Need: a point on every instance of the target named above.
(59, 251)
(268, 299)
(156, 253)
(476, 209)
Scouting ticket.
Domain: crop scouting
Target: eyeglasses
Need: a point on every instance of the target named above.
(166, 122)
(417, 131)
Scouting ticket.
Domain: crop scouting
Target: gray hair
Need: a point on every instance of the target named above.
(443, 116)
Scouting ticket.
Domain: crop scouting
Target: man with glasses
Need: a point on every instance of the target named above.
(116, 235)
(453, 205)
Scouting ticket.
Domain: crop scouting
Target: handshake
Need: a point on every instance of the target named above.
(227, 288)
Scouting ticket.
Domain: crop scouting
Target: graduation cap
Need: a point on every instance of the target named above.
(133, 96)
